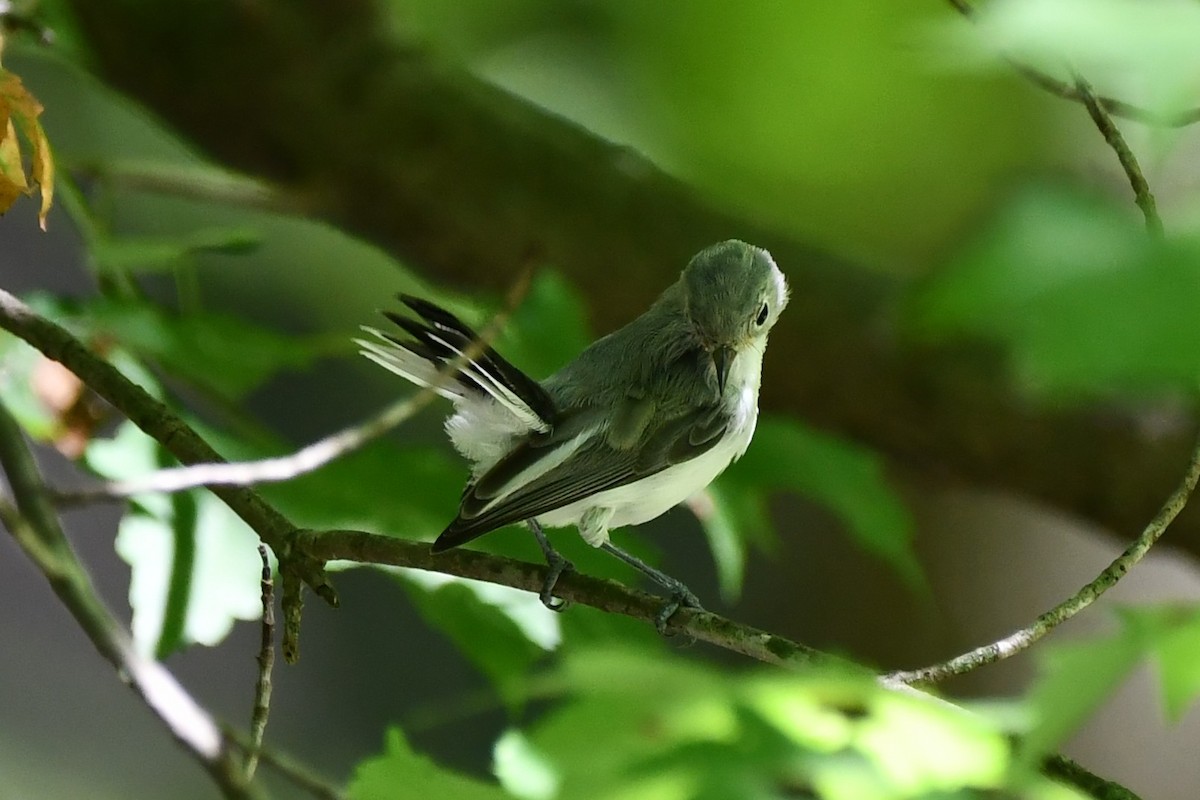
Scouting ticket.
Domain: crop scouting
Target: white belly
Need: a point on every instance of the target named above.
(649, 497)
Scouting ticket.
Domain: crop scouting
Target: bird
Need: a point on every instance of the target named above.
(641, 420)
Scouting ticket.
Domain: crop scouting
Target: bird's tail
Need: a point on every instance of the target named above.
(445, 355)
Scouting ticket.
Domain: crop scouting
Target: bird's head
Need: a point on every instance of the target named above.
(733, 293)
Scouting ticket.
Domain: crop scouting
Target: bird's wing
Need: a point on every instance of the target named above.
(440, 338)
(539, 476)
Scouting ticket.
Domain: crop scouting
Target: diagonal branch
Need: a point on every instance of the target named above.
(463, 181)
(315, 548)
(602, 594)
(1129, 163)
(1022, 639)
(1083, 94)
(34, 525)
(161, 424)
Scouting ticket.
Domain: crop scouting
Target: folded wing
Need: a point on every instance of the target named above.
(590, 465)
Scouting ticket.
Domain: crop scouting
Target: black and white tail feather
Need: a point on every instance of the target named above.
(441, 340)
(496, 404)
(624, 432)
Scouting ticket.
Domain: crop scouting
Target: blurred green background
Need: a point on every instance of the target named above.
(983, 387)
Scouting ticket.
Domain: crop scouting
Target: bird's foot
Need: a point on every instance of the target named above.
(558, 565)
(681, 597)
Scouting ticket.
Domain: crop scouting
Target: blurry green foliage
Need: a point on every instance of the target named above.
(487, 636)
(151, 254)
(195, 566)
(836, 122)
(213, 350)
(18, 389)
(1082, 299)
(630, 726)
(1143, 50)
(401, 774)
(786, 455)
(1077, 678)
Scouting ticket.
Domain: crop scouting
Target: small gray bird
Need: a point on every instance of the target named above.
(641, 420)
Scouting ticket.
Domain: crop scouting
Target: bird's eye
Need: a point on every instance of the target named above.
(762, 315)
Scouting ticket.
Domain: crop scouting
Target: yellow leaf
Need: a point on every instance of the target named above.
(43, 170)
(18, 106)
(12, 174)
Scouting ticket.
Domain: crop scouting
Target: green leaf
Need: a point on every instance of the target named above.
(221, 584)
(522, 769)
(408, 492)
(1145, 50)
(845, 477)
(718, 512)
(1172, 634)
(656, 726)
(1076, 679)
(159, 253)
(401, 774)
(921, 745)
(226, 354)
(18, 362)
(1082, 299)
(548, 328)
(485, 632)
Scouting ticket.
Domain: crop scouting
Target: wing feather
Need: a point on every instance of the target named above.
(439, 338)
(594, 467)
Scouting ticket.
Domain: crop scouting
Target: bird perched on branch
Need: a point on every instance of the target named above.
(641, 420)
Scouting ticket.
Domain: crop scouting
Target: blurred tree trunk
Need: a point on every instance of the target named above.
(469, 183)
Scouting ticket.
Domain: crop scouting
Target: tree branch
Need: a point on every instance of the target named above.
(605, 595)
(266, 661)
(34, 525)
(1129, 163)
(466, 181)
(161, 424)
(1021, 640)
(315, 548)
(1083, 94)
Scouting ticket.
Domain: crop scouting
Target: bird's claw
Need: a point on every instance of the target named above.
(558, 565)
(681, 597)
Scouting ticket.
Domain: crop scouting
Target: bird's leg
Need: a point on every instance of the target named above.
(681, 595)
(558, 565)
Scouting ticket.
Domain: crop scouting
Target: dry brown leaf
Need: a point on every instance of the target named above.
(19, 111)
(77, 410)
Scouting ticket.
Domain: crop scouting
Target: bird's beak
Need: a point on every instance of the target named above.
(722, 358)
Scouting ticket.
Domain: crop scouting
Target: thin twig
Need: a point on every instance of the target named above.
(1133, 171)
(251, 473)
(266, 661)
(313, 456)
(34, 525)
(1067, 91)
(290, 768)
(1023, 638)
(161, 424)
(1064, 770)
(313, 549)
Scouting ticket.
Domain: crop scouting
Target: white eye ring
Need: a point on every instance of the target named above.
(762, 316)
